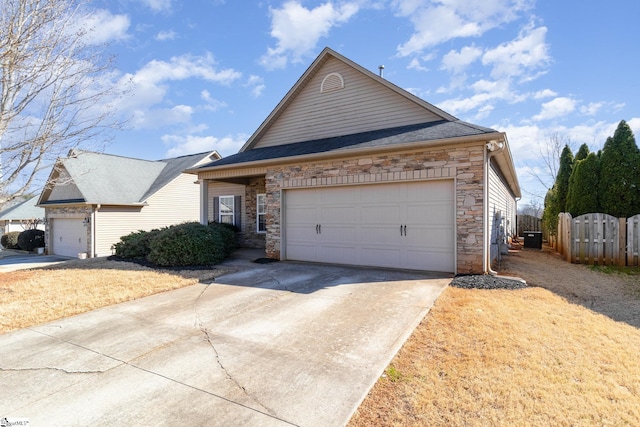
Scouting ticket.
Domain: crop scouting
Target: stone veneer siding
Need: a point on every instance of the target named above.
(464, 163)
(250, 238)
(67, 212)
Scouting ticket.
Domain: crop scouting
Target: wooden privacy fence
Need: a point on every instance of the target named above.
(599, 238)
(527, 223)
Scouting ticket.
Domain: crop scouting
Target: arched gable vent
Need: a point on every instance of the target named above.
(331, 82)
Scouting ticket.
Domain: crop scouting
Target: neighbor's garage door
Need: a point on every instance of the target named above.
(401, 225)
(69, 236)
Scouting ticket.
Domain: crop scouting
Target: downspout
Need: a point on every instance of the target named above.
(93, 230)
(493, 148)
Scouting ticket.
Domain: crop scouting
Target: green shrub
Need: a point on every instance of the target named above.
(227, 235)
(10, 240)
(29, 240)
(136, 244)
(187, 244)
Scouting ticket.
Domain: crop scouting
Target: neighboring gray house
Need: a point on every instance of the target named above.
(92, 199)
(351, 169)
(22, 216)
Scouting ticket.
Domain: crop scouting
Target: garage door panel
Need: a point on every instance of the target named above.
(382, 257)
(361, 225)
(419, 259)
(339, 234)
(339, 254)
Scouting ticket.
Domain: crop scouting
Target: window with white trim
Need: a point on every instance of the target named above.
(261, 213)
(225, 211)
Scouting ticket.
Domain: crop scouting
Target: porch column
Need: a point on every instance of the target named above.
(204, 201)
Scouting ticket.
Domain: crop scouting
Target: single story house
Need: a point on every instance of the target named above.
(92, 199)
(22, 216)
(352, 169)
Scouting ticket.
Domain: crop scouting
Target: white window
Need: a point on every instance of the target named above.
(226, 213)
(261, 216)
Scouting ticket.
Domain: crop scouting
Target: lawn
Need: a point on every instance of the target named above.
(530, 357)
(31, 297)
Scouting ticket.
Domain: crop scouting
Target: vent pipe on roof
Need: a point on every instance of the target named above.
(381, 69)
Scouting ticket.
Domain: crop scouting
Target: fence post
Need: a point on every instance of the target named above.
(569, 237)
(622, 247)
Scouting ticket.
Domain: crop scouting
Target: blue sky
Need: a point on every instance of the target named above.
(203, 74)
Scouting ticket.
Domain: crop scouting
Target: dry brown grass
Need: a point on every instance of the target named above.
(527, 357)
(31, 297)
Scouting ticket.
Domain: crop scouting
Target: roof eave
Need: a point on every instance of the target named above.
(349, 152)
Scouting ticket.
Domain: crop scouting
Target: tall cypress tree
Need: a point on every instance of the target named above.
(562, 180)
(582, 196)
(619, 184)
(582, 153)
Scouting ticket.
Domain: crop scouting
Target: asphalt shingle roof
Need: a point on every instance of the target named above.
(430, 131)
(109, 179)
(24, 210)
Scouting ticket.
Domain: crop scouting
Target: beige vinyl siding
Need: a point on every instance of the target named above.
(177, 202)
(362, 105)
(217, 189)
(65, 189)
(502, 202)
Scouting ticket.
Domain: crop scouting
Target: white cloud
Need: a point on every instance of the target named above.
(558, 107)
(256, 84)
(415, 64)
(102, 26)
(212, 104)
(438, 21)
(545, 93)
(519, 57)
(166, 35)
(591, 109)
(634, 124)
(160, 117)
(457, 62)
(190, 144)
(298, 30)
(184, 67)
(149, 86)
(157, 5)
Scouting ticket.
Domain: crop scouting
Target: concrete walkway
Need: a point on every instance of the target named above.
(271, 345)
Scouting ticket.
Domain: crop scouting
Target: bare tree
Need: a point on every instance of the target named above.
(549, 156)
(53, 93)
(534, 208)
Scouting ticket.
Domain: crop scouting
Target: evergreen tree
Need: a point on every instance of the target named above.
(582, 153)
(562, 180)
(582, 196)
(550, 213)
(619, 184)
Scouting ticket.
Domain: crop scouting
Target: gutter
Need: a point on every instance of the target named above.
(493, 147)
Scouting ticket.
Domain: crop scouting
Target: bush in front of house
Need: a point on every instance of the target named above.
(180, 245)
(135, 245)
(29, 240)
(187, 244)
(10, 240)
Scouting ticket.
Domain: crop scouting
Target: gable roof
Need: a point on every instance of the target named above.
(24, 210)
(108, 179)
(309, 74)
(430, 127)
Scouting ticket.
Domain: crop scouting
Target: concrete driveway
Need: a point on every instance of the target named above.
(270, 344)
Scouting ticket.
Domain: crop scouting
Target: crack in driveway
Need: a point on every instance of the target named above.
(227, 374)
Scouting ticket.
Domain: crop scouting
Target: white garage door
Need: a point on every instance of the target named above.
(69, 236)
(400, 225)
